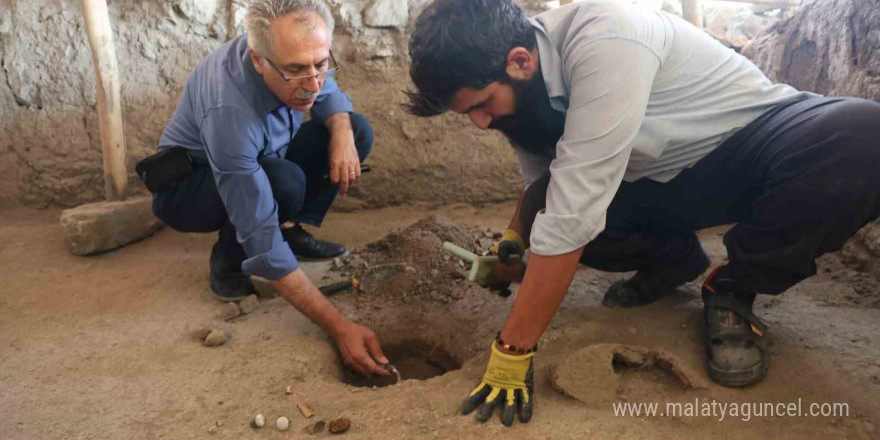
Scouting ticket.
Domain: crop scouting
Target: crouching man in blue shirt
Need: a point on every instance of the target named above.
(259, 171)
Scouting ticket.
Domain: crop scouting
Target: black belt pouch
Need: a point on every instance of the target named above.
(161, 171)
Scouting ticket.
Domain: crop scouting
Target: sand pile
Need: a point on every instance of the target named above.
(409, 264)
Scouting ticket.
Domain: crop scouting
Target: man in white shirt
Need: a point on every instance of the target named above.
(635, 129)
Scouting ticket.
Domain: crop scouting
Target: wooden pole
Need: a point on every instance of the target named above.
(692, 11)
(97, 21)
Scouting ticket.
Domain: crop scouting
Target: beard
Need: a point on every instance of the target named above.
(535, 125)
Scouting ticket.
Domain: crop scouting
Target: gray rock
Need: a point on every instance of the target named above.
(264, 287)
(826, 47)
(387, 13)
(99, 227)
(249, 304)
(228, 311)
(216, 338)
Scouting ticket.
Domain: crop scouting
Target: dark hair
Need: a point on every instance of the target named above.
(462, 43)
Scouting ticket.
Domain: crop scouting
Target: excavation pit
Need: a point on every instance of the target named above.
(414, 359)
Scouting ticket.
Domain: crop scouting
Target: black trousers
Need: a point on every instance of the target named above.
(298, 186)
(798, 182)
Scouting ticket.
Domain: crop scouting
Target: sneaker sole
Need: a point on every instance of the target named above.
(739, 378)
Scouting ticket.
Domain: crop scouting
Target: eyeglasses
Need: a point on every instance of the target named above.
(321, 76)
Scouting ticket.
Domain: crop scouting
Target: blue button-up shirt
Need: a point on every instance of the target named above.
(228, 118)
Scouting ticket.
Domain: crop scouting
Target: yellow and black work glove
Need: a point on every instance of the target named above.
(510, 245)
(508, 384)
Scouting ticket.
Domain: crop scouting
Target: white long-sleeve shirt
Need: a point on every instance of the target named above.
(646, 95)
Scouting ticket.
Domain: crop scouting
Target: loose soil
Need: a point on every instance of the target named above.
(104, 346)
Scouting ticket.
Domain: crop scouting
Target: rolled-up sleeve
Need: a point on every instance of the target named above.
(610, 86)
(331, 101)
(233, 141)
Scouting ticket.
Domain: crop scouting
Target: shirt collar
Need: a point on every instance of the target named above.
(551, 67)
(266, 101)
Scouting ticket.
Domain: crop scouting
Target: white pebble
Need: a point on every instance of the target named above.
(282, 424)
(259, 421)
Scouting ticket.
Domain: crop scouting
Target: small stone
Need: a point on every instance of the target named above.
(259, 421)
(282, 424)
(339, 425)
(489, 234)
(410, 269)
(316, 428)
(215, 338)
(435, 273)
(305, 409)
(358, 263)
(288, 390)
(229, 311)
(249, 304)
(337, 263)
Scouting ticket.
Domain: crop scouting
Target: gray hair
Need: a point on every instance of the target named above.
(262, 13)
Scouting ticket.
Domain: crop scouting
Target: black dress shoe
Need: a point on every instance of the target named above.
(308, 248)
(228, 282)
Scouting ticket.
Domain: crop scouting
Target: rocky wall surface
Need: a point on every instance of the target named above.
(49, 137)
(830, 47)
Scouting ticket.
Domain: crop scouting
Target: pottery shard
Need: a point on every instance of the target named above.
(305, 409)
(339, 425)
(316, 428)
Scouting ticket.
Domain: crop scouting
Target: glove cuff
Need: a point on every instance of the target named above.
(497, 353)
(511, 235)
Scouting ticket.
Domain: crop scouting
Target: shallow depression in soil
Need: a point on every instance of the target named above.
(414, 359)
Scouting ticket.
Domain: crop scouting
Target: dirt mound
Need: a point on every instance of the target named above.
(603, 373)
(410, 263)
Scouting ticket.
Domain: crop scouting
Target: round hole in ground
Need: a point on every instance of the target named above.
(413, 358)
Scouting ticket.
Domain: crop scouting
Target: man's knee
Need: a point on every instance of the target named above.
(363, 135)
(288, 182)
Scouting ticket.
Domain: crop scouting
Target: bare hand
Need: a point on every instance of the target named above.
(359, 348)
(345, 166)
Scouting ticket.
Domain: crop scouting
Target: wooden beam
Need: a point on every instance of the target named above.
(692, 11)
(97, 21)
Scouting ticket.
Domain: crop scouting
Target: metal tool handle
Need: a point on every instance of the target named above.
(460, 252)
(339, 286)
